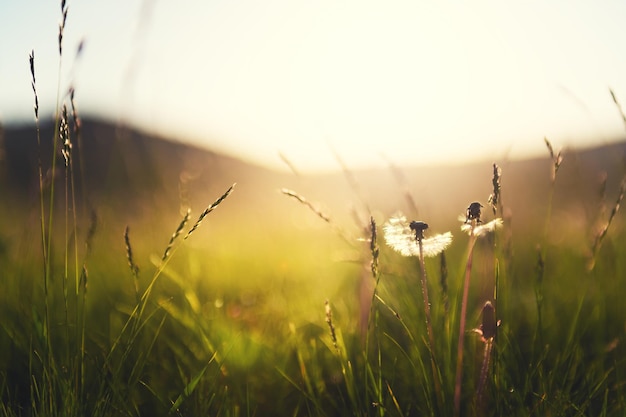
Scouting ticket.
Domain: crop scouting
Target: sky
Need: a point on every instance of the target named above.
(407, 82)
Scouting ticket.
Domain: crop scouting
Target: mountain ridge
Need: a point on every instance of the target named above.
(123, 164)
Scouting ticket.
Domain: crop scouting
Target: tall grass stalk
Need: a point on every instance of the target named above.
(138, 318)
(347, 367)
(47, 360)
(619, 106)
(556, 159)
(600, 234)
(495, 201)
(62, 376)
(31, 60)
(135, 318)
(128, 337)
(373, 318)
(319, 213)
(134, 269)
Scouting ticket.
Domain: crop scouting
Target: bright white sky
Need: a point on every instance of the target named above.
(406, 81)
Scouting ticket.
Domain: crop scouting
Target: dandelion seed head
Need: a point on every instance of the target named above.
(405, 237)
(433, 246)
(482, 229)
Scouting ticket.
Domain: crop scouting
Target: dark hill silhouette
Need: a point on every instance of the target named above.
(121, 166)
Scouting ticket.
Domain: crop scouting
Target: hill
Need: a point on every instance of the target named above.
(129, 171)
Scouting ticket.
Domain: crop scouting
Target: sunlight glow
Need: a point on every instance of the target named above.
(416, 82)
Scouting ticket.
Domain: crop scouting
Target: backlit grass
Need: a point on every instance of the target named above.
(144, 301)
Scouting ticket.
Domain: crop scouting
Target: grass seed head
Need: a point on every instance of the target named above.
(176, 233)
(129, 253)
(31, 60)
(64, 9)
(209, 209)
(374, 250)
(557, 158)
(331, 326)
(494, 198)
(64, 131)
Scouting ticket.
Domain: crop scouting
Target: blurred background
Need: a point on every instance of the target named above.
(327, 115)
(408, 82)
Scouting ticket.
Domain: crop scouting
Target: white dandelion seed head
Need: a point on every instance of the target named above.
(400, 236)
(434, 245)
(482, 229)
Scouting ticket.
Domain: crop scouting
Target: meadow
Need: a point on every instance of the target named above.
(145, 277)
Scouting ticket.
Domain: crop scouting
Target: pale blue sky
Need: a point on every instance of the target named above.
(417, 81)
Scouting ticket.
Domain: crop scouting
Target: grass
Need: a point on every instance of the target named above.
(110, 314)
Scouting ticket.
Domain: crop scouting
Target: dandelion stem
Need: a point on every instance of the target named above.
(429, 325)
(461, 344)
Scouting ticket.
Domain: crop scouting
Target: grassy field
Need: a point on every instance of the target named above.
(138, 281)
(233, 320)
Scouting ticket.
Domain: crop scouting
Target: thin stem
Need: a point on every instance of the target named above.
(484, 372)
(461, 344)
(373, 313)
(429, 326)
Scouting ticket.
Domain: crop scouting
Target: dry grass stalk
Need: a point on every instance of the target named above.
(619, 106)
(331, 326)
(33, 83)
(64, 132)
(176, 233)
(601, 233)
(91, 232)
(307, 203)
(210, 209)
(129, 253)
(318, 212)
(494, 199)
(367, 294)
(134, 269)
(64, 10)
(557, 159)
(31, 60)
(75, 118)
(374, 249)
(289, 164)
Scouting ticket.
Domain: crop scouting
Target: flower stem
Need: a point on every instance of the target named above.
(459, 354)
(429, 326)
